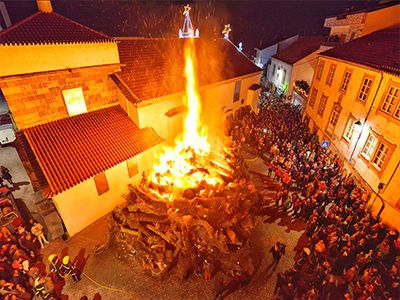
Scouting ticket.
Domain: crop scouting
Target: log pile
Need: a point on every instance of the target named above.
(203, 229)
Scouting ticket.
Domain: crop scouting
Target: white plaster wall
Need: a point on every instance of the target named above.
(303, 70)
(152, 113)
(81, 205)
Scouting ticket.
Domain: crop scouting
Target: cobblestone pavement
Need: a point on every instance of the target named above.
(130, 282)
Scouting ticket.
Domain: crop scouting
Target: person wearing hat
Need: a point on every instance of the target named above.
(55, 265)
(67, 268)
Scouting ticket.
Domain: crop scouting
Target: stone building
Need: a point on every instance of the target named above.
(354, 103)
(351, 25)
(78, 146)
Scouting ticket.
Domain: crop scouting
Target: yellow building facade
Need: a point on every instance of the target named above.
(355, 105)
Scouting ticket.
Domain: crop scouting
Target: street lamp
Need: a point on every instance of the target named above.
(357, 126)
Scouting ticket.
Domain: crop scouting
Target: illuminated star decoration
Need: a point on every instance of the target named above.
(226, 31)
(186, 11)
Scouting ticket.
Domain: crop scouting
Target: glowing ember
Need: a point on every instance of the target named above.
(188, 164)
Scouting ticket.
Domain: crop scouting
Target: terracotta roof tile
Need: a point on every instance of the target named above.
(49, 28)
(305, 45)
(379, 50)
(155, 67)
(76, 148)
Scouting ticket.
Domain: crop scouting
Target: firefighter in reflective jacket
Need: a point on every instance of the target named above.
(67, 268)
(55, 264)
(40, 290)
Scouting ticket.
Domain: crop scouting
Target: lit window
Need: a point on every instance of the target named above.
(381, 155)
(313, 96)
(132, 167)
(331, 74)
(345, 81)
(369, 146)
(349, 130)
(236, 94)
(365, 89)
(322, 105)
(320, 69)
(390, 100)
(101, 183)
(74, 101)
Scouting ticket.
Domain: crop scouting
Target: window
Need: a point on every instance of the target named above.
(320, 69)
(349, 130)
(331, 74)
(345, 81)
(101, 183)
(132, 167)
(334, 118)
(322, 105)
(376, 151)
(236, 93)
(273, 70)
(381, 156)
(313, 96)
(74, 101)
(390, 100)
(365, 89)
(369, 146)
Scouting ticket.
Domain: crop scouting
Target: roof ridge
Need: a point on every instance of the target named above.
(81, 25)
(18, 24)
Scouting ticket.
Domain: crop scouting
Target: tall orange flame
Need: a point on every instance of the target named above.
(186, 164)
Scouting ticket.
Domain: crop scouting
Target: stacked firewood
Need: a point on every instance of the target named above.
(204, 229)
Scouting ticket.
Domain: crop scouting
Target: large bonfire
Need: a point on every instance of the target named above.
(195, 208)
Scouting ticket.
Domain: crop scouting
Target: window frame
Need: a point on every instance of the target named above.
(236, 90)
(345, 138)
(372, 79)
(396, 104)
(370, 161)
(311, 103)
(67, 97)
(330, 75)
(336, 110)
(322, 105)
(320, 69)
(343, 82)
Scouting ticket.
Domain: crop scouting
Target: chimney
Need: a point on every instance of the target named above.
(44, 6)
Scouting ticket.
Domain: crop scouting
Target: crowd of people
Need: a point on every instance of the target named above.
(349, 254)
(22, 273)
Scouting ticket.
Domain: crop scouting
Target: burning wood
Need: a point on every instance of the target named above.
(195, 210)
(203, 225)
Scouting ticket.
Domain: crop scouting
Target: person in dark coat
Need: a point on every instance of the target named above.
(5, 174)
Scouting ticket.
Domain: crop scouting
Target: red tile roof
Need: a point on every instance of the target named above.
(155, 67)
(305, 45)
(379, 50)
(49, 28)
(77, 148)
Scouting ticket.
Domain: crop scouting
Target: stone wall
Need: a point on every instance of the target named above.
(37, 98)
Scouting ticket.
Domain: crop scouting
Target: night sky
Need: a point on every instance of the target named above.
(255, 23)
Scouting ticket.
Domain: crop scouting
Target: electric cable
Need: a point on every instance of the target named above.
(104, 286)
